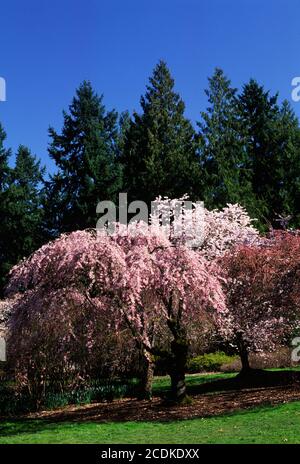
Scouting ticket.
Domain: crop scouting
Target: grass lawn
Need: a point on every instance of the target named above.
(265, 424)
(278, 424)
(162, 384)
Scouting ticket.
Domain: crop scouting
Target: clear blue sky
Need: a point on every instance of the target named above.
(49, 46)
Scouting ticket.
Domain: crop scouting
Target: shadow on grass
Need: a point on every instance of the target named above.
(254, 379)
(226, 396)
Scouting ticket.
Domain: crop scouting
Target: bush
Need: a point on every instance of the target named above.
(210, 362)
(232, 366)
(13, 402)
(96, 392)
(281, 358)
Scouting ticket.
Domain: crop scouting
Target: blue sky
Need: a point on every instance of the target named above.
(49, 46)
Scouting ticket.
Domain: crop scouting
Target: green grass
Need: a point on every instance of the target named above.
(278, 424)
(162, 384)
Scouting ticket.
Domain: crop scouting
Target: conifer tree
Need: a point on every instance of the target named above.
(85, 153)
(4, 180)
(4, 157)
(272, 147)
(225, 166)
(285, 200)
(21, 225)
(159, 155)
(259, 114)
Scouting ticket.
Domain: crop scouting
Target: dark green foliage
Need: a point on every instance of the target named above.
(4, 156)
(273, 152)
(287, 197)
(227, 178)
(4, 182)
(86, 156)
(21, 212)
(259, 115)
(13, 402)
(250, 152)
(160, 151)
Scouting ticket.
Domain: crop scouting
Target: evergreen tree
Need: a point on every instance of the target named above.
(86, 156)
(4, 157)
(259, 114)
(4, 181)
(159, 155)
(225, 166)
(272, 146)
(124, 125)
(286, 172)
(21, 225)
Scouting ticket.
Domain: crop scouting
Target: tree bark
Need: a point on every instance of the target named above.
(147, 375)
(179, 351)
(245, 361)
(244, 355)
(179, 347)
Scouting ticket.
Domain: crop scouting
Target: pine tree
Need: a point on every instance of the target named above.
(250, 152)
(259, 112)
(159, 155)
(4, 181)
(225, 168)
(21, 225)
(4, 157)
(272, 147)
(86, 156)
(286, 172)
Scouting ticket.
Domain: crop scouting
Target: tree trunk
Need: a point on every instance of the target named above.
(244, 355)
(147, 375)
(245, 361)
(179, 348)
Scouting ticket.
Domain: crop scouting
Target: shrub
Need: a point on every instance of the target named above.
(210, 362)
(281, 358)
(13, 402)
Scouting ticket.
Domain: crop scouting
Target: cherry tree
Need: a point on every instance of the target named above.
(71, 283)
(60, 339)
(64, 291)
(262, 311)
(287, 292)
(5, 310)
(212, 233)
(148, 278)
(139, 278)
(172, 287)
(186, 288)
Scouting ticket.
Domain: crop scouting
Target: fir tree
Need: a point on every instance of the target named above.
(159, 155)
(273, 151)
(4, 157)
(285, 201)
(86, 156)
(259, 114)
(225, 168)
(21, 226)
(4, 182)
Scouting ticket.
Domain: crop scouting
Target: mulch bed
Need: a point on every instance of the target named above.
(203, 405)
